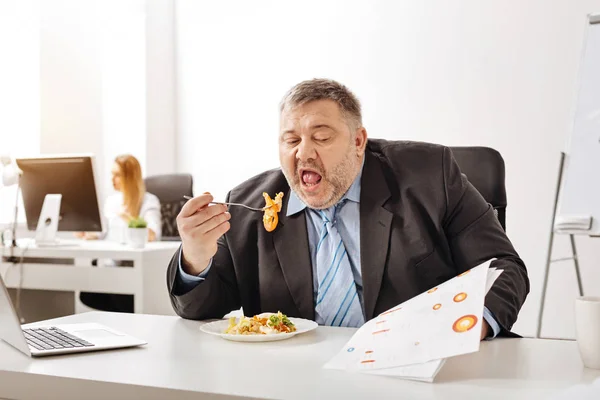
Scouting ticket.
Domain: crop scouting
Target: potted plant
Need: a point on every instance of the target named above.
(137, 232)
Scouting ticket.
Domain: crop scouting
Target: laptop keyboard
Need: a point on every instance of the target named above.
(52, 339)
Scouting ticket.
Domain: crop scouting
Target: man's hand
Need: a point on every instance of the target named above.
(485, 329)
(200, 225)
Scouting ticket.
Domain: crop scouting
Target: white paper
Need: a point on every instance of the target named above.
(412, 339)
(424, 372)
(493, 274)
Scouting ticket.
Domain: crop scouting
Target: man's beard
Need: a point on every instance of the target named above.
(337, 182)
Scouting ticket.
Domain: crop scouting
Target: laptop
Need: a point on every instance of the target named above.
(57, 339)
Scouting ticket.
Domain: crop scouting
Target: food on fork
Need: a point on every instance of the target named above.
(272, 207)
(261, 324)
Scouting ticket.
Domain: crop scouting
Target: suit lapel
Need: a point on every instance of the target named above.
(291, 244)
(375, 226)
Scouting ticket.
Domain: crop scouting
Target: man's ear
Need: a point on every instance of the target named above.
(360, 141)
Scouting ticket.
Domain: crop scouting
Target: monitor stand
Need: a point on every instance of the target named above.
(45, 234)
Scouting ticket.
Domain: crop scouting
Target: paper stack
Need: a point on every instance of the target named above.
(413, 339)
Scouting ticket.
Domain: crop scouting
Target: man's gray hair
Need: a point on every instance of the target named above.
(324, 89)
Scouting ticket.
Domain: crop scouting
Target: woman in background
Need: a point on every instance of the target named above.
(130, 201)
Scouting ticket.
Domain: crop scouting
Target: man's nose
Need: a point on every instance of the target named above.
(306, 151)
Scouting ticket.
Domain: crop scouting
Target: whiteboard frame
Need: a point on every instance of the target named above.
(591, 19)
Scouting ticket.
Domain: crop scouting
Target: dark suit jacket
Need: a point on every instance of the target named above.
(421, 223)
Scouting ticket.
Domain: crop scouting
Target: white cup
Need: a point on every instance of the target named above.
(587, 326)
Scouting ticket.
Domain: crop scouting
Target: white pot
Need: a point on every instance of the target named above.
(137, 237)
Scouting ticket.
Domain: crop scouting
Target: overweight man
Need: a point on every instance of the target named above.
(365, 225)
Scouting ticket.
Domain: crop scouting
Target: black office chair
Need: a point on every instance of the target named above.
(170, 189)
(484, 167)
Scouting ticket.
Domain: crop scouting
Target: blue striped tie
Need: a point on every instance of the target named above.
(337, 299)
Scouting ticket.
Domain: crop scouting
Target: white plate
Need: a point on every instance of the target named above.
(218, 327)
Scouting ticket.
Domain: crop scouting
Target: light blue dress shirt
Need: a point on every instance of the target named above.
(186, 281)
(347, 220)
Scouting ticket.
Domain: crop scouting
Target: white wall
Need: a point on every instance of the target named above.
(19, 88)
(93, 80)
(87, 76)
(71, 81)
(500, 74)
(120, 28)
(160, 87)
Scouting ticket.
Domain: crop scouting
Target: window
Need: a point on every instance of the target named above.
(19, 89)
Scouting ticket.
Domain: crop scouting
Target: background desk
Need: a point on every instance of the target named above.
(182, 362)
(71, 270)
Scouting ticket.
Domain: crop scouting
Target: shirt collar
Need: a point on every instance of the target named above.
(295, 205)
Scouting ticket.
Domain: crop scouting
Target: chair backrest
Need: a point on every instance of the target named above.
(170, 190)
(484, 168)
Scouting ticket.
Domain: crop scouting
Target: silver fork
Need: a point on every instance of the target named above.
(231, 204)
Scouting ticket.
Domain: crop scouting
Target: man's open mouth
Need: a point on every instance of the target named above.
(310, 178)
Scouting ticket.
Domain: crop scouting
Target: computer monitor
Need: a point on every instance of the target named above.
(71, 176)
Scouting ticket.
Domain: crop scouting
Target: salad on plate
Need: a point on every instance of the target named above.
(261, 324)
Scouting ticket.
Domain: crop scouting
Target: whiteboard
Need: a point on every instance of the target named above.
(580, 194)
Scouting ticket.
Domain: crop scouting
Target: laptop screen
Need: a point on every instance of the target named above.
(10, 328)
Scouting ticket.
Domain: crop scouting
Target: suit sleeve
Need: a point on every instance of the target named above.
(216, 296)
(475, 236)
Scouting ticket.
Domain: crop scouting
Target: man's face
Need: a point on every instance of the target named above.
(319, 153)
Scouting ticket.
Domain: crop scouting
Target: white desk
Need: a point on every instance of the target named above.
(72, 270)
(182, 362)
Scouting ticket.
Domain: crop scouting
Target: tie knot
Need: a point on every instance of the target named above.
(327, 214)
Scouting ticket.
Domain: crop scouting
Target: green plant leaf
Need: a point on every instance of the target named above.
(138, 222)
